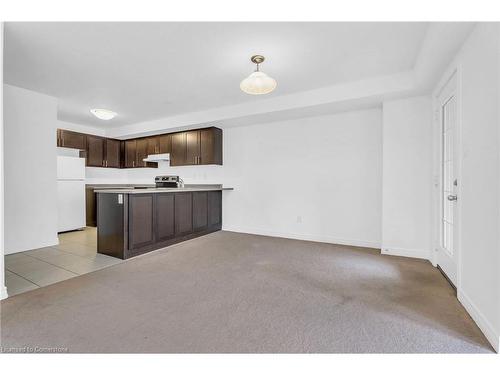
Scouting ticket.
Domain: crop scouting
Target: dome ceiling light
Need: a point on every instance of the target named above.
(258, 82)
(103, 114)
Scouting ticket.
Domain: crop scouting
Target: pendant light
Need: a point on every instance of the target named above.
(258, 82)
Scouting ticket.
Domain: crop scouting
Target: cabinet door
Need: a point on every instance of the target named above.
(112, 153)
(165, 228)
(95, 151)
(178, 152)
(142, 152)
(192, 147)
(72, 139)
(165, 141)
(214, 208)
(183, 213)
(140, 221)
(210, 146)
(200, 210)
(153, 145)
(130, 153)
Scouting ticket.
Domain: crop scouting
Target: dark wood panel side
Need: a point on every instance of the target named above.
(217, 146)
(112, 153)
(183, 213)
(90, 207)
(141, 220)
(214, 208)
(110, 224)
(165, 216)
(200, 210)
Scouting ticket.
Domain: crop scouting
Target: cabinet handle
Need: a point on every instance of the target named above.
(106, 163)
(133, 163)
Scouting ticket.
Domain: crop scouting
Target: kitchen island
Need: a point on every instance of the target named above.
(131, 222)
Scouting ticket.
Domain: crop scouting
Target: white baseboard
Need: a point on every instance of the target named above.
(402, 252)
(481, 321)
(305, 237)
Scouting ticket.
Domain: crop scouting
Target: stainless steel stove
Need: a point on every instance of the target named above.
(168, 182)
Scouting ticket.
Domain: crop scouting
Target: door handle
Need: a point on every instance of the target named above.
(452, 198)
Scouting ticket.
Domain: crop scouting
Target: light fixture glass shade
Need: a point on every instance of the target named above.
(103, 114)
(258, 83)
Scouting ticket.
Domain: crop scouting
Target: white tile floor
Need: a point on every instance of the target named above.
(75, 255)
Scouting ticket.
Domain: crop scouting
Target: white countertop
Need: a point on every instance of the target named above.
(163, 190)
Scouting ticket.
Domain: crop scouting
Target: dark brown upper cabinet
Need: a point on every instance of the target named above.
(95, 151)
(165, 141)
(178, 151)
(69, 139)
(142, 152)
(130, 153)
(153, 145)
(112, 153)
(193, 147)
(103, 152)
(197, 147)
(210, 146)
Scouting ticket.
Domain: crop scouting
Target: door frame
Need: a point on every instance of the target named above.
(453, 72)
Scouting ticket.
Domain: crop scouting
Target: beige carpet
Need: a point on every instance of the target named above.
(230, 292)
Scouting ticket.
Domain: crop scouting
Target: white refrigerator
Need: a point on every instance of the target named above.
(70, 193)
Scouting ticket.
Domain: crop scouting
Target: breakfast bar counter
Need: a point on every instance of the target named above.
(131, 222)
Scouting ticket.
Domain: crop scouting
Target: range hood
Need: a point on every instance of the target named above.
(155, 158)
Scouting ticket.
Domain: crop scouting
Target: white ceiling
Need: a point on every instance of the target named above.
(145, 71)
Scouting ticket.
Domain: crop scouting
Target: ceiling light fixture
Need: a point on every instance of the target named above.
(258, 82)
(103, 114)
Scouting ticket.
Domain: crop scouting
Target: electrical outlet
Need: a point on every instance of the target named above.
(299, 219)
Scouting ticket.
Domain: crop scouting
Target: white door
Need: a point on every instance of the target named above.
(448, 241)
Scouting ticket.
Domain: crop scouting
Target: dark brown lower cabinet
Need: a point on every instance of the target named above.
(200, 210)
(141, 231)
(165, 217)
(183, 213)
(135, 223)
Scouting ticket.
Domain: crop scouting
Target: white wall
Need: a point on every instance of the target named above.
(407, 177)
(479, 269)
(87, 129)
(3, 289)
(317, 178)
(30, 169)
